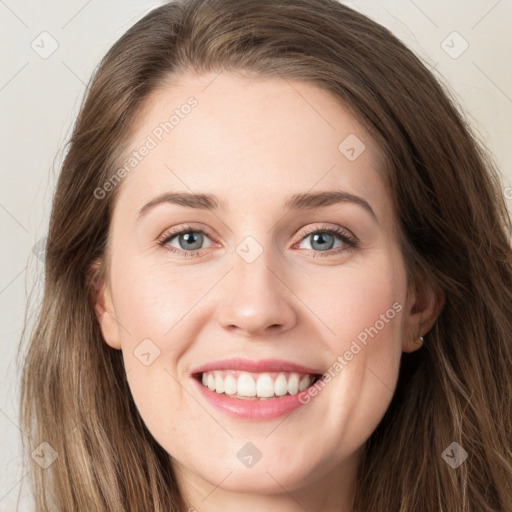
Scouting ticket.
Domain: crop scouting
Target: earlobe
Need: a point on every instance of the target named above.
(423, 308)
(104, 309)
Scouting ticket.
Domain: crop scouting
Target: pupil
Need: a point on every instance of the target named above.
(190, 237)
(321, 239)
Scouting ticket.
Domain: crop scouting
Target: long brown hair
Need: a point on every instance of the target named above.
(455, 233)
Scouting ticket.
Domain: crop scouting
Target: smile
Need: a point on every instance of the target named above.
(254, 390)
(254, 386)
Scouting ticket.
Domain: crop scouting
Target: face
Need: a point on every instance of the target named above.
(265, 272)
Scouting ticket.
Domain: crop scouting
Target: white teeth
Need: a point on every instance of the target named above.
(293, 384)
(281, 385)
(249, 385)
(246, 385)
(265, 386)
(304, 383)
(211, 382)
(219, 384)
(230, 385)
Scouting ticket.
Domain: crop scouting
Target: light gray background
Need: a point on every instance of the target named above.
(40, 95)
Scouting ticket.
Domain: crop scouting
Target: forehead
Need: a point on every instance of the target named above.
(243, 138)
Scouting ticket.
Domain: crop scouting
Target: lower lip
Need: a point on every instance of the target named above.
(252, 409)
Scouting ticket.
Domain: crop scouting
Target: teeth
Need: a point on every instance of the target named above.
(265, 386)
(246, 385)
(211, 382)
(230, 385)
(304, 383)
(250, 385)
(219, 384)
(281, 385)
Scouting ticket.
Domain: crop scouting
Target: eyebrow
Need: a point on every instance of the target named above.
(304, 201)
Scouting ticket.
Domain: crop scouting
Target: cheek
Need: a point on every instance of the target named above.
(155, 309)
(362, 310)
(153, 301)
(357, 302)
(159, 310)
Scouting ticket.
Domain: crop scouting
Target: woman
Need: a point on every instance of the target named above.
(339, 336)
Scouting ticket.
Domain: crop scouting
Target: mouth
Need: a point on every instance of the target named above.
(262, 390)
(246, 385)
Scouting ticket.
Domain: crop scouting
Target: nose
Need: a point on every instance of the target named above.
(257, 300)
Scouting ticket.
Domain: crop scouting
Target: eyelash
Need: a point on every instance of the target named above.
(341, 233)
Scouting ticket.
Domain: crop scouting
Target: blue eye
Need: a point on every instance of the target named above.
(190, 241)
(324, 238)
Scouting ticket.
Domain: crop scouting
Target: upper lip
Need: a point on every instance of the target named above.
(249, 365)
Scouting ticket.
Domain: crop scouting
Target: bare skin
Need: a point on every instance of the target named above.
(253, 143)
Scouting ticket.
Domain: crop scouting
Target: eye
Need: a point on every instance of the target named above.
(323, 239)
(189, 241)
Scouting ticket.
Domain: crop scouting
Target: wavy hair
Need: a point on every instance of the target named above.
(455, 234)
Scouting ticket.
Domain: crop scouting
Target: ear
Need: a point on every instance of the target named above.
(103, 306)
(423, 306)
